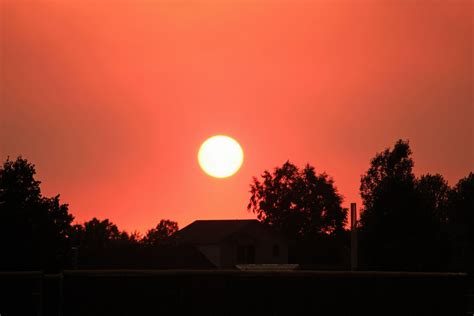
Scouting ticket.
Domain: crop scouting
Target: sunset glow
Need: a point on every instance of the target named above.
(113, 99)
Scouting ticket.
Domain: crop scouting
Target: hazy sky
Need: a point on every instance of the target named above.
(112, 99)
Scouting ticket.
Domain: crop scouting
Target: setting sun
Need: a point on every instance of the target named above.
(220, 156)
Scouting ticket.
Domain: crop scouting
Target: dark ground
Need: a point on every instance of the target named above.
(231, 292)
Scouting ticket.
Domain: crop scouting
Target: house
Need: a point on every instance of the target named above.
(228, 243)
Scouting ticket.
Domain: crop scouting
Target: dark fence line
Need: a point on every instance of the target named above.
(232, 292)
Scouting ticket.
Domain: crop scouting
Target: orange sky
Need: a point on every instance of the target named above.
(111, 99)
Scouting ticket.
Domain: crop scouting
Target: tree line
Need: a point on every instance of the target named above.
(407, 222)
(37, 232)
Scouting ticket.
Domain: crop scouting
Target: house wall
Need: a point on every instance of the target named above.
(228, 255)
(264, 248)
(264, 252)
(261, 239)
(212, 253)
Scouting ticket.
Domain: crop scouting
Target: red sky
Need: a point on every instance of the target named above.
(112, 99)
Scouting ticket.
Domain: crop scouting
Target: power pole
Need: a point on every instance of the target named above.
(353, 237)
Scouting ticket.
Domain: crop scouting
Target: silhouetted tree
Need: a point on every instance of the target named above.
(100, 244)
(433, 202)
(133, 238)
(401, 215)
(299, 203)
(461, 222)
(161, 233)
(434, 192)
(98, 234)
(34, 230)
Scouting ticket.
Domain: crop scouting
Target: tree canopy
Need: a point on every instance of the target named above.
(460, 221)
(161, 233)
(34, 230)
(98, 234)
(403, 221)
(297, 202)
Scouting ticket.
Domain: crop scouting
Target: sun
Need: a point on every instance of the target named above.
(220, 156)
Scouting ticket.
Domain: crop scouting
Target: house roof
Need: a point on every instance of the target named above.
(211, 231)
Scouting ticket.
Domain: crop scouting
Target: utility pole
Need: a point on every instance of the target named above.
(353, 237)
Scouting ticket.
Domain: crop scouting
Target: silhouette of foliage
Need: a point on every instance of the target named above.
(391, 167)
(433, 202)
(299, 203)
(100, 244)
(461, 222)
(434, 192)
(161, 233)
(402, 215)
(133, 238)
(98, 234)
(34, 230)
